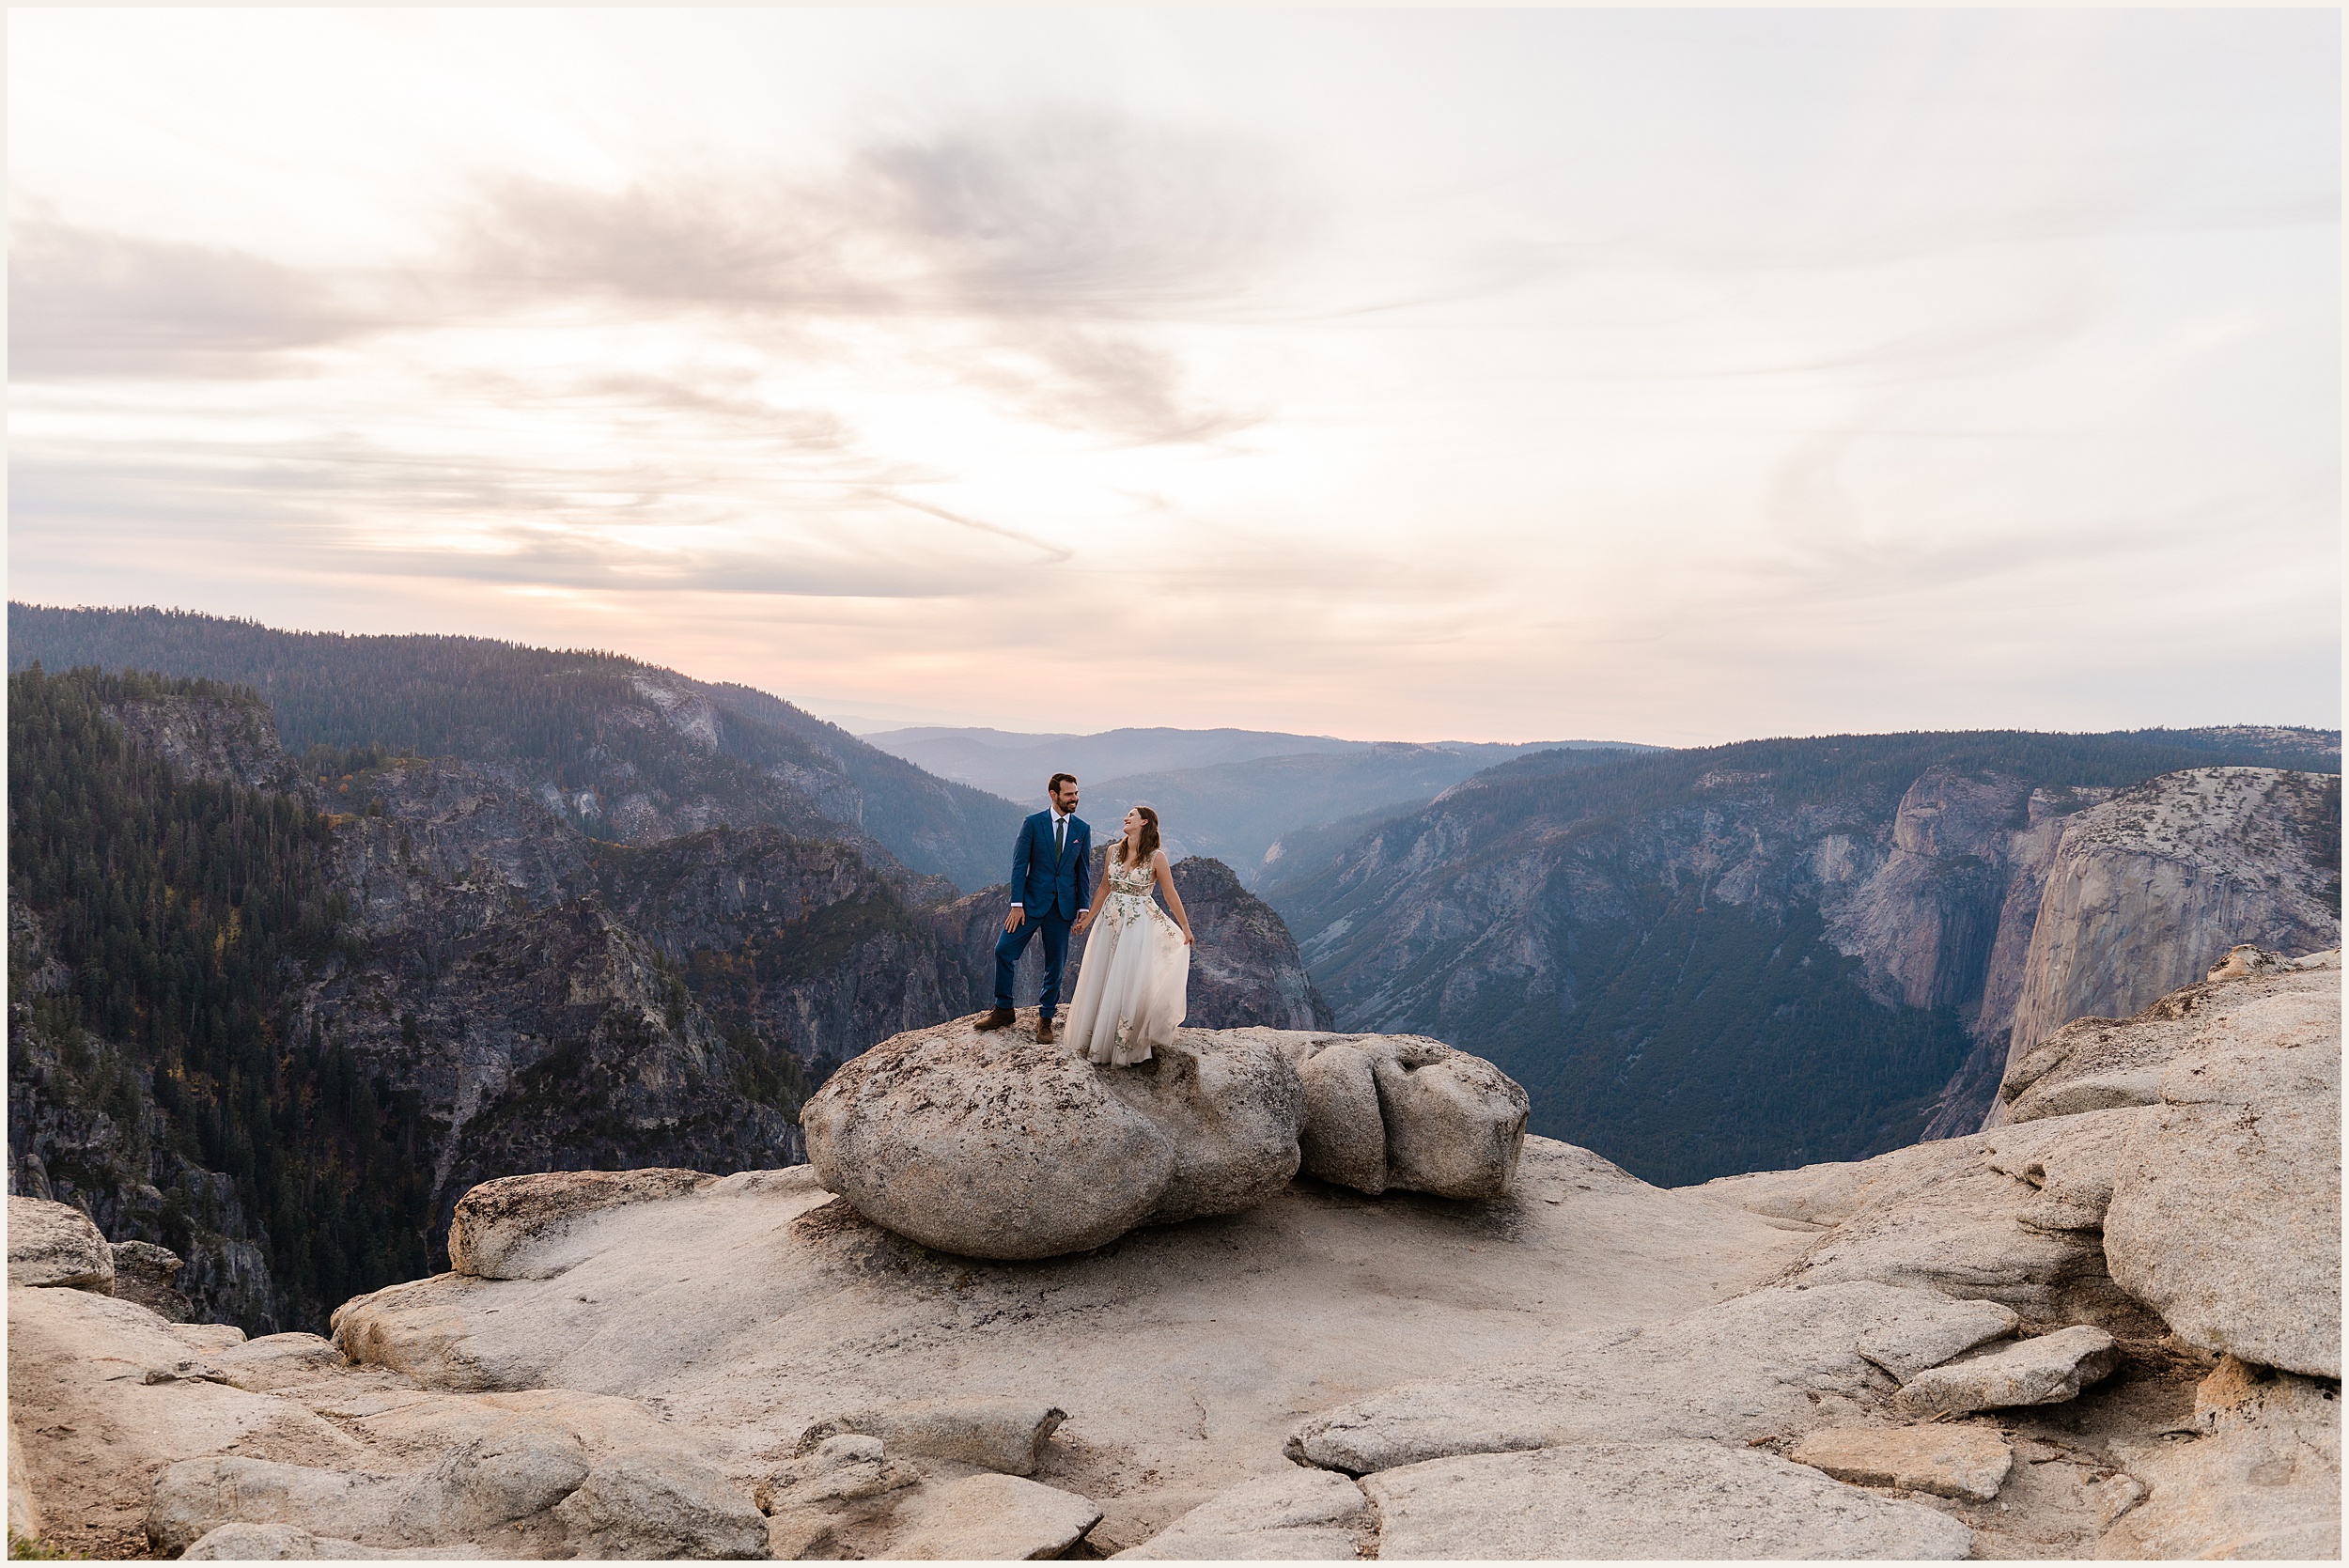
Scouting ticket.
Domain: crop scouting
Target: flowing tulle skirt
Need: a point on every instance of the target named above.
(1130, 983)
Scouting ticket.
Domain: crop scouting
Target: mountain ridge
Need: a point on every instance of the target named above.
(619, 749)
(1660, 947)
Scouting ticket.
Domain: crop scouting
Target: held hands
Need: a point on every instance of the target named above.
(1085, 918)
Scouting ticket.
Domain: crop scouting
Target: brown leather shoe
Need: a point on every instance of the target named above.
(997, 1019)
(1043, 1031)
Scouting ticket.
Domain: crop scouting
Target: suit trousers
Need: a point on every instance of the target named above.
(1011, 944)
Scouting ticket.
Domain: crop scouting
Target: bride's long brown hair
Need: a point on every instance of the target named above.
(1149, 845)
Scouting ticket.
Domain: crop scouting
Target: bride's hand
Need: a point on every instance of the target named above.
(1190, 940)
(1085, 918)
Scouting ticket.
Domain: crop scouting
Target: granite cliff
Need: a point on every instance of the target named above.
(2109, 1329)
(1782, 950)
(2145, 889)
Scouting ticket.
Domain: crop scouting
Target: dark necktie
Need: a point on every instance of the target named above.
(1060, 838)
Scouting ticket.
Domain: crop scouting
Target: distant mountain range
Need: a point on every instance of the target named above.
(624, 751)
(1229, 794)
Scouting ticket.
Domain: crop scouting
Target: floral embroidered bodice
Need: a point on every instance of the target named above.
(1129, 889)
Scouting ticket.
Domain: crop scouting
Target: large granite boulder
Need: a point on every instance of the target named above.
(500, 1221)
(56, 1243)
(1402, 1110)
(990, 1145)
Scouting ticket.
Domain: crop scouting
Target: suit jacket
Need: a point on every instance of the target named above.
(1046, 885)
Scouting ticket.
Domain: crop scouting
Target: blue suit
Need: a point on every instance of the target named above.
(1052, 887)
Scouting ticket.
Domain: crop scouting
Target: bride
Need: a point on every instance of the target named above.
(1130, 982)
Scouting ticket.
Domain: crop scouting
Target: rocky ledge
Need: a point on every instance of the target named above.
(990, 1145)
(2110, 1329)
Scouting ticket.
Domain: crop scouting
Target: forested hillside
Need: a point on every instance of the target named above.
(1697, 962)
(157, 921)
(621, 749)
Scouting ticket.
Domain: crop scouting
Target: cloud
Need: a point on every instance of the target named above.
(619, 530)
(1048, 251)
(1086, 214)
(83, 302)
(727, 394)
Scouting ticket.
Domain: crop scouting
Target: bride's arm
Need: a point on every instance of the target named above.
(1173, 899)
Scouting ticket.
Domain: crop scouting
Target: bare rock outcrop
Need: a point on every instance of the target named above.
(2259, 1476)
(1945, 1460)
(513, 1228)
(2152, 886)
(1403, 1111)
(1769, 1363)
(2047, 1369)
(656, 1502)
(1655, 1500)
(1296, 1516)
(2218, 1201)
(990, 1145)
(1818, 1362)
(56, 1243)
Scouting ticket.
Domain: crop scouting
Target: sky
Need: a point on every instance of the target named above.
(1668, 376)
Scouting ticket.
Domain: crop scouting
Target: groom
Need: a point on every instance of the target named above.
(1049, 866)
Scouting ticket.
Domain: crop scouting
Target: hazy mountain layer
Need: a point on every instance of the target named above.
(1016, 766)
(621, 749)
(1229, 794)
(1235, 811)
(1737, 958)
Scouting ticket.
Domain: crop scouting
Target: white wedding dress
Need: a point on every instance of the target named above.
(1135, 970)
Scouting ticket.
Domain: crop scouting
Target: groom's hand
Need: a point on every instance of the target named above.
(1011, 921)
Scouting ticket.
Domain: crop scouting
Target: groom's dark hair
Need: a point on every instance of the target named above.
(1058, 780)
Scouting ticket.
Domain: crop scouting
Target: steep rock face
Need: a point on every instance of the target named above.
(208, 739)
(2149, 888)
(1245, 970)
(557, 1002)
(1946, 919)
(1925, 922)
(797, 942)
(1753, 955)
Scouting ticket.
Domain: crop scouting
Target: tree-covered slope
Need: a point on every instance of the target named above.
(158, 922)
(622, 750)
(1697, 962)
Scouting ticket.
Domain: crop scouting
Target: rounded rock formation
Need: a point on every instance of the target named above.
(993, 1146)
